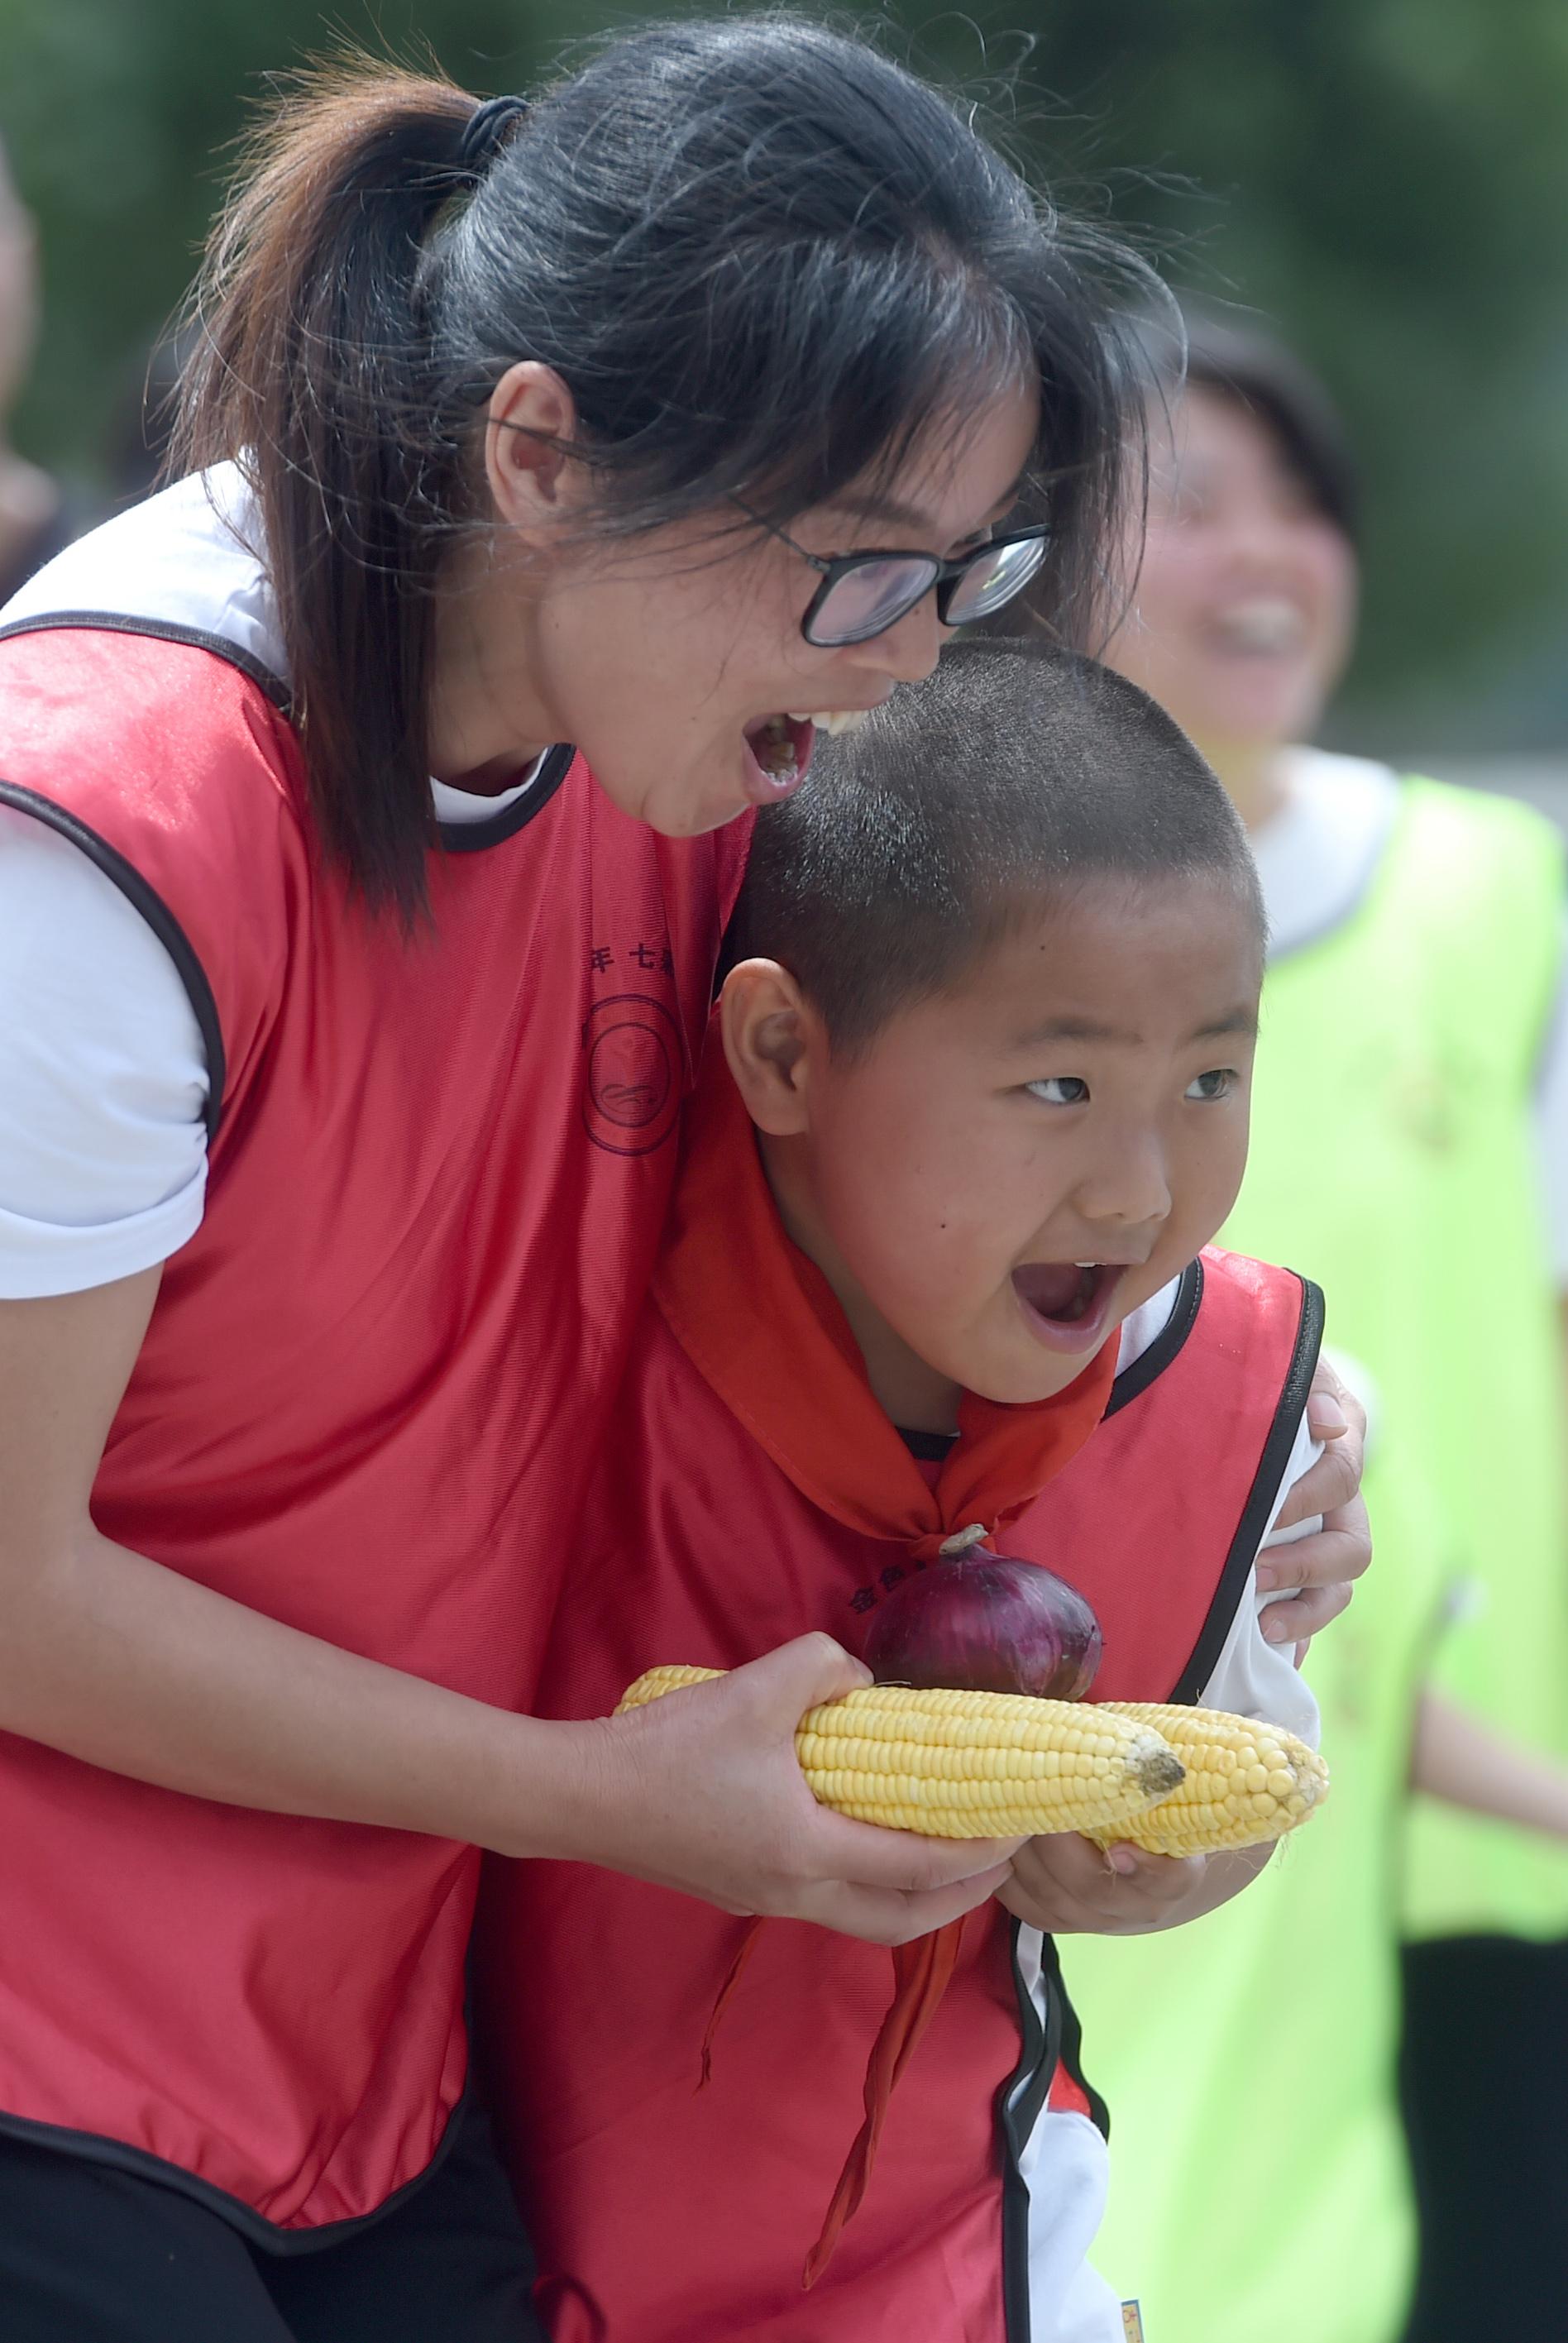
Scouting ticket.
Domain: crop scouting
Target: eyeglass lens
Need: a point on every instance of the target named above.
(993, 577)
(868, 600)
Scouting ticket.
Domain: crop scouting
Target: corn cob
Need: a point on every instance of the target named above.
(969, 1764)
(1245, 1782)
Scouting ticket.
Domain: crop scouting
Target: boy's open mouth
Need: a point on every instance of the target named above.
(1066, 1303)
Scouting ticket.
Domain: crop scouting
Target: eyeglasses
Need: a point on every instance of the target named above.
(863, 594)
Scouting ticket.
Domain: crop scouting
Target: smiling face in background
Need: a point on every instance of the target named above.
(1080, 1098)
(664, 657)
(1245, 599)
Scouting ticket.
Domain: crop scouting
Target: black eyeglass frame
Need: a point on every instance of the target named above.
(946, 576)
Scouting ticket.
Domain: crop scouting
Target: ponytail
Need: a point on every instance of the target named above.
(765, 261)
(311, 371)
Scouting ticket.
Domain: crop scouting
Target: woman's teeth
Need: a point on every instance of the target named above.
(833, 720)
(774, 749)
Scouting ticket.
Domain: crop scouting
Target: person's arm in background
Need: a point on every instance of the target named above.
(1466, 1764)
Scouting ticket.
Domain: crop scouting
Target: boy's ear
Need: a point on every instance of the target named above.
(767, 1023)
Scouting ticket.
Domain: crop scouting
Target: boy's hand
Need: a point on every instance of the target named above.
(1068, 1886)
(1325, 1565)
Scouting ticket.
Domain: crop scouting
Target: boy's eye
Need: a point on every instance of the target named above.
(1060, 1090)
(1217, 1083)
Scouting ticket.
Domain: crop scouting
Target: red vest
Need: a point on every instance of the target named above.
(372, 1385)
(665, 2216)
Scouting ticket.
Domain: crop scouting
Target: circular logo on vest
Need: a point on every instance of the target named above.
(631, 1094)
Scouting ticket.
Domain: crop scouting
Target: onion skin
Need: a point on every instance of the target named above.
(986, 1622)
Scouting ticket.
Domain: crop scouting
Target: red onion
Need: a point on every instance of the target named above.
(981, 1622)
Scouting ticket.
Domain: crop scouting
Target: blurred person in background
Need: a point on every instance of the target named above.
(1410, 1150)
(33, 523)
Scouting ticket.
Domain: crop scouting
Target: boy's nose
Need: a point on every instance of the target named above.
(1126, 1189)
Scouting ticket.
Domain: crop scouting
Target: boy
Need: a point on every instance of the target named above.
(976, 1103)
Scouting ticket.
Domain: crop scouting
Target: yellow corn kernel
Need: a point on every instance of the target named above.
(1244, 1783)
(969, 1764)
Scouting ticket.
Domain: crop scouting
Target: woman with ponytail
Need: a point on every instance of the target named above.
(369, 822)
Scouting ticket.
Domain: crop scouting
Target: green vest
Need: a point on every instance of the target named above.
(1258, 2184)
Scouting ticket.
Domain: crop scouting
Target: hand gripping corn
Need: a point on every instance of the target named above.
(969, 1764)
(979, 1764)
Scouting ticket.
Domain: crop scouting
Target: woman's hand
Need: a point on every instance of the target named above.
(1068, 1886)
(1323, 1567)
(701, 1791)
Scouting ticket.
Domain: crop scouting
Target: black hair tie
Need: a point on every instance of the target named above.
(485, 134)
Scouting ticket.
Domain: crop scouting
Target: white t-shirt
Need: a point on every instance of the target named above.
(103, 1076)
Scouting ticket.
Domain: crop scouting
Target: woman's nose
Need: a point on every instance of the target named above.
(909, 651)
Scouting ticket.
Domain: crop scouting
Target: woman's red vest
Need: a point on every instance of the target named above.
(373, 1382)
(669, 2214)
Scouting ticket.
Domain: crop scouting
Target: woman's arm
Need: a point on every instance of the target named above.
(118, 1661)
(1455, 1758)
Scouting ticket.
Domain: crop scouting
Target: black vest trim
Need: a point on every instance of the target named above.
(1261, 1499)
(1166, 1346)
(472, 836)
(1019, 2103)
(146, 900)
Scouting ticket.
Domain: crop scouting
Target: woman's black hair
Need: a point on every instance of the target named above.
(1247, 363)
(764, 259)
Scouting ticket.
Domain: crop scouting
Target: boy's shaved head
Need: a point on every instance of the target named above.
(1012, 775)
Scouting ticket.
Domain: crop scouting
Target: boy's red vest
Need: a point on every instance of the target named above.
(372, 1385)
(666, 2214)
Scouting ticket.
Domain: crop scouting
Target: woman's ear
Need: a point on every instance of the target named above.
(532, 421)
(768, 1027)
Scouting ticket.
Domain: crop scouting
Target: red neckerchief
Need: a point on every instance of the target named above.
(742, 1299)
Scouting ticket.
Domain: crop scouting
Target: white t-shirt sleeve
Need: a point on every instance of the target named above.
(1252, 1677)
(1552, 1133)
(103, 1076)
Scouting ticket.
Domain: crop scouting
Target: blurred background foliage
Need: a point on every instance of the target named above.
(1387, 178)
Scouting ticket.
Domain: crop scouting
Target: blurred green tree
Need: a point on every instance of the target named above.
(1389, 179)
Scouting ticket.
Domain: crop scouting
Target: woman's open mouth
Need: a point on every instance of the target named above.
(777, 756)
(1066, 1304)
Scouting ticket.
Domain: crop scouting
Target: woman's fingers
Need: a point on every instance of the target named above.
(701, 1791)
(1314, 1576)
(1338, 1419)
(884, 1915)
(902, 1860)
(784, 1684)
